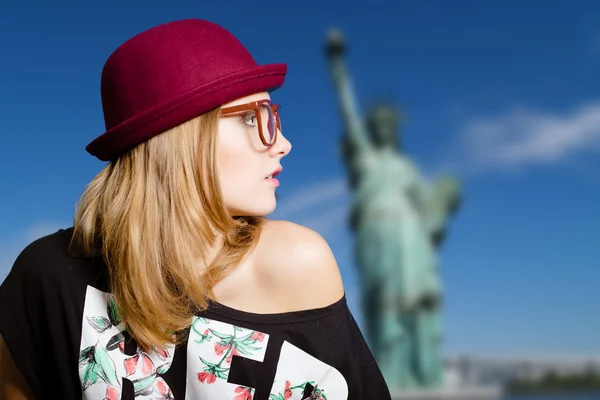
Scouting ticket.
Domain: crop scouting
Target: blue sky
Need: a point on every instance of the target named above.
(504, 94)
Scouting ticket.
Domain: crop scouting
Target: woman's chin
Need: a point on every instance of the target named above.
(266, 210)
(257, 210)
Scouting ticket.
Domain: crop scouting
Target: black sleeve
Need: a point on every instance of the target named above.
(373, 384)
(22, 315)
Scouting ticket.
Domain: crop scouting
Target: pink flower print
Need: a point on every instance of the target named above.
(112, 393)
(162, 353)
(234, 352)
(220, 348)
(243, 393)
(287, 392)
(131, 364)
(207, 377)
(147, 365)
(163, 389)
(258, 336)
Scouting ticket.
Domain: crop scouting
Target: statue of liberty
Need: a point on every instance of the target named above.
(398, 221)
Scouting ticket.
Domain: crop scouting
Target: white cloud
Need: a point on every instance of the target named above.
(322, 206)
(311, 197)
(524, 137)
(327, 221)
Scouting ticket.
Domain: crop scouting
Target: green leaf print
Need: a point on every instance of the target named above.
(240, 342)
(195, 328)
(163, 368)
(203, 337)
(221, 374)
(106, 364)
(224, 337)
(276, 397)
(90, 375)
(113, 314)
(218, 371)
(208, 364)
(144, 386)
(245, 348)
(100, 324)
(97, 365)
(213, 367)
(247, 337)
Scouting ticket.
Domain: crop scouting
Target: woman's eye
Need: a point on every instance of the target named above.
(250, 119)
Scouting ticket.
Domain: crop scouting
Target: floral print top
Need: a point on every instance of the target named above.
(61, 326)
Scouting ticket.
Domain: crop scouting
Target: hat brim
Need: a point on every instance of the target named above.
(174, 112)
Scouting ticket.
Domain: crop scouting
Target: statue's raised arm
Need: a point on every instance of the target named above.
(353, 123)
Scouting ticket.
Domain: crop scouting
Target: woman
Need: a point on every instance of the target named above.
(171, 283)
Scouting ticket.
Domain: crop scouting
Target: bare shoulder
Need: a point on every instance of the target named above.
(297, 264)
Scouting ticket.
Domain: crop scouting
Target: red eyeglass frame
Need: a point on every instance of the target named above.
(255, 105)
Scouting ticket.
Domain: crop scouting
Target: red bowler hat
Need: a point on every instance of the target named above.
(170, 74)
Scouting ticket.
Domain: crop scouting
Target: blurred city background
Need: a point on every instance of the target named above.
(504, 95)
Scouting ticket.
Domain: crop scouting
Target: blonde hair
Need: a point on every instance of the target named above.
(153, 214)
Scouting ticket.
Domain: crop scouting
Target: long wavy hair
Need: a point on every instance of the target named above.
(154, 214)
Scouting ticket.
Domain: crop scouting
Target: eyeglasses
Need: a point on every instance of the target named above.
(267, 115)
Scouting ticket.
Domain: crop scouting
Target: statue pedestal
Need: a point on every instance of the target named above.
(451, 393)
